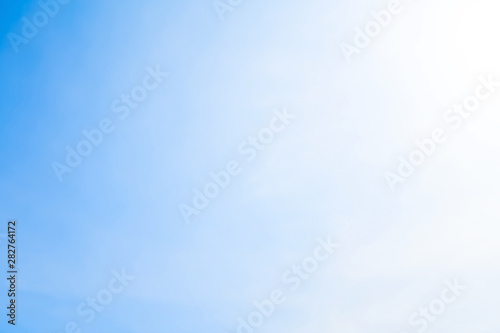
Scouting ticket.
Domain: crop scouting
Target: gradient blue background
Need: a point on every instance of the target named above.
(323, 175)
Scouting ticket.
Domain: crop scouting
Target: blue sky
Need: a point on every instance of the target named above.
(323, 175)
